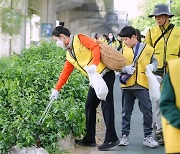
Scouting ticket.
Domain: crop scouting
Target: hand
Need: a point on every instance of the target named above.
(129, 69)
(90, 69)
(54, 95)
(150, 67)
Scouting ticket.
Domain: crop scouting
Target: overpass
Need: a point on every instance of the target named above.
(85, 16)
(80, 16)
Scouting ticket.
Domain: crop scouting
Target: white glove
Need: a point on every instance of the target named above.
(150, 67)
(128, 69)
(90, 69)
(54, 95)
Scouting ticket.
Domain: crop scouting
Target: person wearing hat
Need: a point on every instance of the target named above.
(165, 38)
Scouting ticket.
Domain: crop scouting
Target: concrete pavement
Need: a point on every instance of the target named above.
(136, 133)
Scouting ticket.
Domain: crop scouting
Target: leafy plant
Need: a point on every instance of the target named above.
(25, 85)
(11, 21)
(11, 18)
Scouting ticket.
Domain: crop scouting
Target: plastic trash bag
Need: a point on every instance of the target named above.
(154, 85)
(98, 83)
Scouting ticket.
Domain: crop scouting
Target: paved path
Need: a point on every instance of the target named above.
(136, 135)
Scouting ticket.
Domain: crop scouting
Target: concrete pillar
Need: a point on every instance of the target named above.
(4, 46)
(64, 16)
(47, 15)
(15, 43)
(24, 10)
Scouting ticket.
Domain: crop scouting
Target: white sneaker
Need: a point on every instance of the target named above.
(124, 141)
(150, 142)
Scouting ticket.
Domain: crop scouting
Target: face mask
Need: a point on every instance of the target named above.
(60, 44)
(110, 37)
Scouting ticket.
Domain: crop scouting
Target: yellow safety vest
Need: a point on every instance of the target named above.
(139, 75)
(172, 134)
(81, 56)
(114, 44)
(168, 47)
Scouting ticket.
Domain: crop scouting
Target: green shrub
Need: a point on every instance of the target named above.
(26, 81)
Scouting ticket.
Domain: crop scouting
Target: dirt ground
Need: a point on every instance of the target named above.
(100, 131)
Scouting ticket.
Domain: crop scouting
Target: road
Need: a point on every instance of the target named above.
(136, 135)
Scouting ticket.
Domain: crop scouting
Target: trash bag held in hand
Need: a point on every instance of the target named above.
(154, 86)
(98, 83)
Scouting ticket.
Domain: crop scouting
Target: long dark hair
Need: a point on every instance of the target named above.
(61, 30)
(113, 39)
(138, 35)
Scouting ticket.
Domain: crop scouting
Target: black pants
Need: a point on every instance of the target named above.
(145, 106)
(107, 107)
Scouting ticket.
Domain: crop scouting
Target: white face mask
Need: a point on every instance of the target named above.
(110, 37)
(60, 44)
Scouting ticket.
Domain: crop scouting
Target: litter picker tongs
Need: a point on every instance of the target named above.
(41, 121)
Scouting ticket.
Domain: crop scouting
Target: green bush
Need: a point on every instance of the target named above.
(26, 82)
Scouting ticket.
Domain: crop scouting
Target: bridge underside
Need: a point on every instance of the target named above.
(85, 16)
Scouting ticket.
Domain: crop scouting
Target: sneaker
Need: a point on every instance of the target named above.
(83, 142)
(159, 138)
(108, 145)
(150, 142)
(124, 141)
